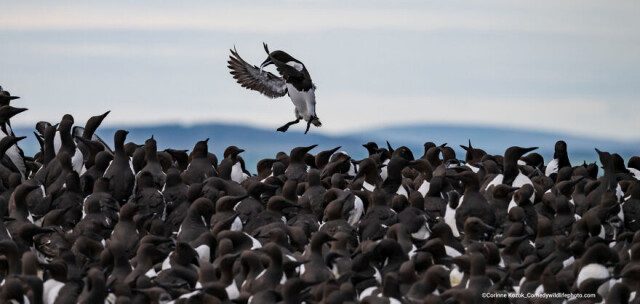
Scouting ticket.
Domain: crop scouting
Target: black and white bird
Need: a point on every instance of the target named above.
(294, 81)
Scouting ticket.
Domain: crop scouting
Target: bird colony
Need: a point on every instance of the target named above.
(91, 220)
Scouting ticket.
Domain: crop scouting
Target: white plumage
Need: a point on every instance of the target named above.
(450, 219)
(424, 188)
(51, 289)
(552, 167)
(592, 271)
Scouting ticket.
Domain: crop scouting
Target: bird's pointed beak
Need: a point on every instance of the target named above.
(16, 111)
(309, 148)
(265, 63)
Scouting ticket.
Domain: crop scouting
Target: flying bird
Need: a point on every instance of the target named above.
(294, 81)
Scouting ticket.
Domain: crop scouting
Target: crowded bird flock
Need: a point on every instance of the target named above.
(91, 220)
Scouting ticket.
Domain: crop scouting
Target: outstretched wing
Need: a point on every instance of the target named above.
(250, 77)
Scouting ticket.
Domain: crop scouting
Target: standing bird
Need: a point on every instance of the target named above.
(200, 167)
(230, 167)
(295, 81)
(120, 171)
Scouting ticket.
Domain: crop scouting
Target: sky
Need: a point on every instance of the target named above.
(563, 66)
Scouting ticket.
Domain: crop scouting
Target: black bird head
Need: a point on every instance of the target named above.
(523, 194)
(277, 56)
(267, 61)
(6, 112)
(371, 147)
(298, 153)
(119, 138)
(323, 157)
(92, 125)
(201, 149)
(607, 162)
(560, 149)
(66, 123)
(226, 203)
(428, 145)
(151, 145)
(232, 151)
(473, 155)
(403, 152)
(514, 153)
(6, 97)
(618, 163)
(202, 207)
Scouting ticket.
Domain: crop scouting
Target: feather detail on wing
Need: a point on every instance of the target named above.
(250, 77)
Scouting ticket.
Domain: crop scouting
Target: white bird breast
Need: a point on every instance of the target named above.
(237, 175)
(304, 101)
(424, 188)
(594, 270)
(450, 219)
(552, 167)
(356, 212)
(383, 171)
(51, 289)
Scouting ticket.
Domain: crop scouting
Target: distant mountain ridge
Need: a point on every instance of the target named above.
(261, 143)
